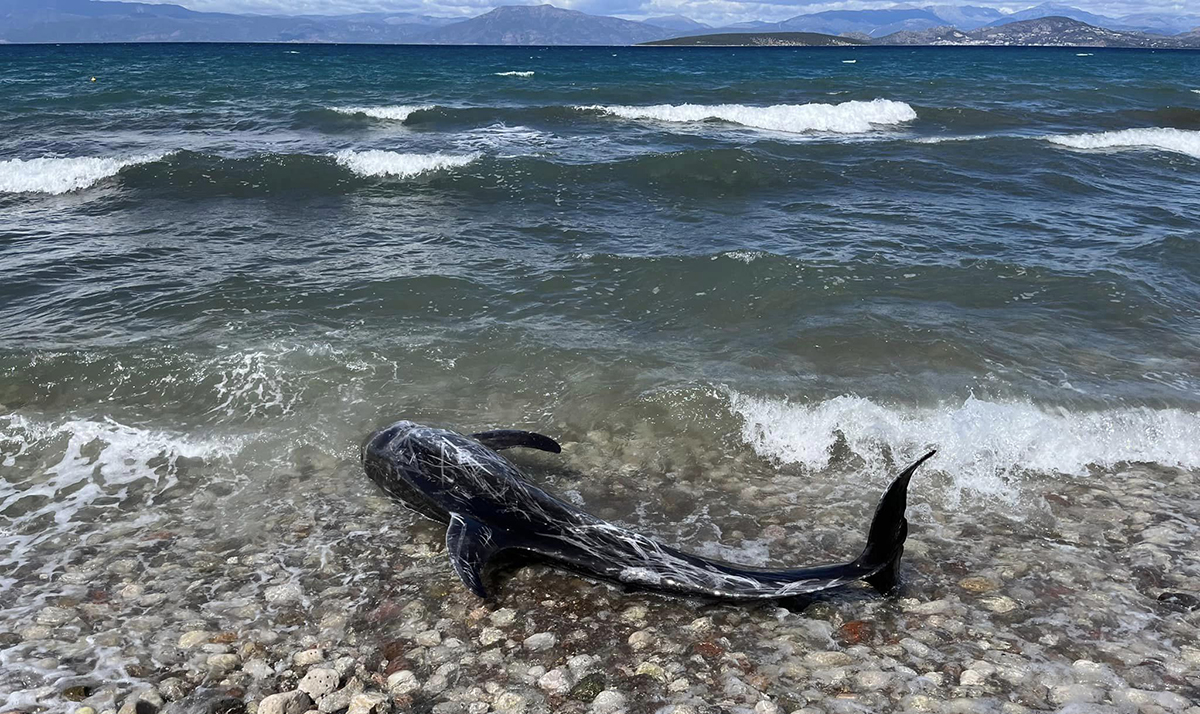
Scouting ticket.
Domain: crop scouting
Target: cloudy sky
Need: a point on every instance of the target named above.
(714, 12)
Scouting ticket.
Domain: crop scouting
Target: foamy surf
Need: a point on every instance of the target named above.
(390, 163)
(62, 175)
(1180, 141)
(85, 464)
(515, 73)
(982, 445)
(854, 117)
(397, 112)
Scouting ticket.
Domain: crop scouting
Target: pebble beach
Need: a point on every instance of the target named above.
(335, 599)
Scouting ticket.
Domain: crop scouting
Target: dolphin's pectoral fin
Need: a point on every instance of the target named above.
(470, 545)
(507, 438)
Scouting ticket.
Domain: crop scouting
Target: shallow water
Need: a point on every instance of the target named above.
(741, 287)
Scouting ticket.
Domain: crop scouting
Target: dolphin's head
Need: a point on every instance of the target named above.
(432, 471)
(389, 458)
(382, 442)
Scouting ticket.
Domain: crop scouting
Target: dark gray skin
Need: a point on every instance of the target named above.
(492, 512)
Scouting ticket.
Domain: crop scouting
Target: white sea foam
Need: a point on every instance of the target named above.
(58, 176)
(391, 163)
(745, 256)
(853, 117)
(102, 464)
(396, 112)
(1178, 140)
(515, 73)
(982, 445)
(945, 139)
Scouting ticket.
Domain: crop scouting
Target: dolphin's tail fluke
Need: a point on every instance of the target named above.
(889, 528)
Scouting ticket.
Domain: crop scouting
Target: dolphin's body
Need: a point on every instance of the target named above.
(493, 513)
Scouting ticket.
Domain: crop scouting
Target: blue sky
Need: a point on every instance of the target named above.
(715, 12)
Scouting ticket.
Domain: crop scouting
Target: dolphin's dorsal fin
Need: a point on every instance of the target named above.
(506, 438)
(470, 544)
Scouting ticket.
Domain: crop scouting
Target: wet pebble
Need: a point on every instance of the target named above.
(285, 703)
(308, 657)
(608, 702)
(318, 682)
(403, 682)
(540, 641)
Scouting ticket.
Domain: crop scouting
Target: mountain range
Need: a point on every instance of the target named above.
(43, 21)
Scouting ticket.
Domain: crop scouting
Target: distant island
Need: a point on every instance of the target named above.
(759, 39)
(1042, 32)
(1048, 24)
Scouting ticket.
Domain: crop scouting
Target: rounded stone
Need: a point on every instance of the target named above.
(193, 638)
(224, 662)
(828, 659)
(642, 639)
(280, 594)
(608, 701)
(540, 641)
(403, 682)
(308, 657)
(53, 616)
(285, 703)
(319, 682)
(369, 704)
(1000, 604)
(872, 679)
(977, 585)
(510, 703)
(556, 681)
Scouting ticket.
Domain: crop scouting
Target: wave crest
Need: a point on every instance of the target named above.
(395, 112)
(514, 73)
(981, 444)
(853, 117)
(390, 163)
(59, 176)
(1181, 141)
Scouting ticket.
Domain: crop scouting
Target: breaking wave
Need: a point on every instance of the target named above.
(397, 112)
(1180, 141)
(515, 73)
(853, 117)
(58, 176)
(390, 163)
(981, 444)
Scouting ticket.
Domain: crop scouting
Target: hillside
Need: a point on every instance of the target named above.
(544, 25)
(1042, 32)
(759, 39)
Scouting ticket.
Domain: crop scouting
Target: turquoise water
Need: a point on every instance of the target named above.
(731, 282)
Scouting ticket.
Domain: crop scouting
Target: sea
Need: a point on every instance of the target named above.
(708, 272)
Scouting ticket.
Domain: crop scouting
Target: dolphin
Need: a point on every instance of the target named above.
(492, 515)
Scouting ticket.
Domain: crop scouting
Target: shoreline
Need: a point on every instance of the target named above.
(346, 603)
